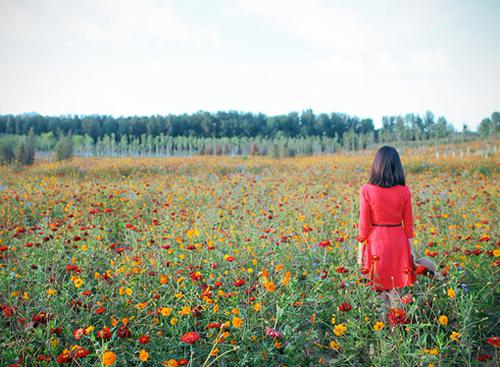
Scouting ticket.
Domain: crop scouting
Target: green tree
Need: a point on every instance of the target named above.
(64, 147)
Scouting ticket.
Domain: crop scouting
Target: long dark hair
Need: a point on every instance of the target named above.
(387, 170)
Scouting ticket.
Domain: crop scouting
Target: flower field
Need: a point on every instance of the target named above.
(208, 261)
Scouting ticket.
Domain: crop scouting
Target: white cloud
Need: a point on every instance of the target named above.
(102, 21)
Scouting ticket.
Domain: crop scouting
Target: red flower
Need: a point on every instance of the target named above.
(495, 341)
(144, 339)
(182, 362)
(64, 357)
(230, 258)
(100, 310)
(124, 332)
(81, 352)
(239, 283)
(421, 270)
(40, 318)
(397, 317)
(190, 337)
(105, 333)
(484, 357)
(78, 333)
(344, 307)
(214, 325)
(56, 330)
(341, 270)
(324, 243)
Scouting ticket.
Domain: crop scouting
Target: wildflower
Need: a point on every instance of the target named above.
(144, 339)
(170, 363)
(165, 311)
(455, 336)
(345, 307)
(78, 282)
(273, 333)
(495, 341)
(257, 306)
(51, 292)
(451, 293)
(443, 320)
(190, 337)
(108, 358)
(397, 317)
(143, 356)
(431, 352)
(237, 322)
(340, 329)
(334, 345)
(378, 326)
(270, 286)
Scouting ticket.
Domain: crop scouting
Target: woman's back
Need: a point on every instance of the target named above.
(388, 205)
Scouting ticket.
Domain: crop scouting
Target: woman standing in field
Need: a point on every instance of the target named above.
(385, 252)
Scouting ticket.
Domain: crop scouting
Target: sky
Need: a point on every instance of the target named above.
(367, 58)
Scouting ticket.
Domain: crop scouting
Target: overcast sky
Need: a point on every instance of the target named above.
(363, 57)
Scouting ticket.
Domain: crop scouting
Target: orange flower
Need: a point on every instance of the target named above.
(108, 358)
(143, 355)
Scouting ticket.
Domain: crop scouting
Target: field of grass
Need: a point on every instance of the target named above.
(210, 261)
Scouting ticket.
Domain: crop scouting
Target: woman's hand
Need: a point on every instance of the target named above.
(360, 254)
(410, 243)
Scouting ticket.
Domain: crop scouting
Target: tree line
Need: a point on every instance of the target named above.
(220, 133)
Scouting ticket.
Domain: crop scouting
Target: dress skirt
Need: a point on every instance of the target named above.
(387, 259)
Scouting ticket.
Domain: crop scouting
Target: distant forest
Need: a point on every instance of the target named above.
(221, 133)
(239, 124)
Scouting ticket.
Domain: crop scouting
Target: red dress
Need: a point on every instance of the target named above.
(386, 254)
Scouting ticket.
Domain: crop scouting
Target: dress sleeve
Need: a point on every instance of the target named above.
(408, 217)
(365, 220)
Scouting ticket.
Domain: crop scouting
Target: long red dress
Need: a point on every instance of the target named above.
(386, 254)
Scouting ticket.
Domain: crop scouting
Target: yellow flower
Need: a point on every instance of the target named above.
(333, 320)
(166, 311)
(78, 282)
(54, 342)
(143, 355)
(128, 291)
(432, 352)
(235, 311)
(173, 321)
(454, 336)
(451, 293)
(257, 307)
(214, 352)
(340, 329)
(334, 345)
(186, 310)
(443, 320)
(496, 252)
(89, 329)
(51, 292)
(378, 326)
(237, 322)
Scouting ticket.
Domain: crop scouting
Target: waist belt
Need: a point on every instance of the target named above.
(386, 225)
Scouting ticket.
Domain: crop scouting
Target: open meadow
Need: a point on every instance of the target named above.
(220, 261)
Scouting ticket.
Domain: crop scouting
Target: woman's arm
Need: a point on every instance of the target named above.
(365, 219)
(408, 217)
(365, 223)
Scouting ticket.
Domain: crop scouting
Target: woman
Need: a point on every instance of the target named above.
(385, 252)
